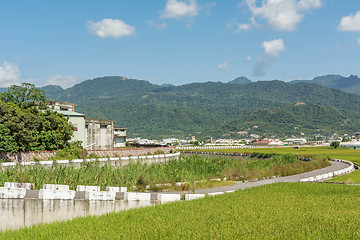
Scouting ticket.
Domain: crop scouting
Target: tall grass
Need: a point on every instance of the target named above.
(186, 169)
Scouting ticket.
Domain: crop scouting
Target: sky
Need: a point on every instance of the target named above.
(177, 41)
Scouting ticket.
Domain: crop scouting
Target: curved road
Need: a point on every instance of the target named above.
(294, 178)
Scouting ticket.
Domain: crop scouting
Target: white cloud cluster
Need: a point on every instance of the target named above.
(178, 9)
(63, 81)
(110, 28)
(350, 23)
(223, 65)
(272, 50)
(9, 74)
(274, 47)
(282, 15)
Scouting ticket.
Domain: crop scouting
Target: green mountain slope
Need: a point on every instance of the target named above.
(204, 109)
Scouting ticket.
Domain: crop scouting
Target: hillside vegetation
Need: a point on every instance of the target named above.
(213, 108)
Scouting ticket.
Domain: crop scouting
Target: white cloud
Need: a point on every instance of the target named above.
(160, 26)
(223, 65)
(309, 4)
(350, 23)
(178, 9)
(63, 81)
(248, 58)
(9, 74)
(272, 50)
(110, 28)
(282, 15)
(244, 27)
(273, 47)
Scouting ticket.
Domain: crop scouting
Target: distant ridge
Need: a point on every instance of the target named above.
(241, 80)
(214, 109)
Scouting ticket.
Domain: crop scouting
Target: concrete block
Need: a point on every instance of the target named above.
(32, 193)
(77, 160)
(181, 183)
(46, 162)
(7, 193)
(100, 195)
(311, 179)
(19, 185)
(50, 194)
(116, 189)
(230, 191)
(171, 197)
(215, 193)
(8, 164)
(62, 161)
(87, 188)
(191, 196)
(137, 196)
(27, 163)
(56, 187)
(200, 181)
(216, 179)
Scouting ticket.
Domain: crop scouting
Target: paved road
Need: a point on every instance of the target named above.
(294, 178)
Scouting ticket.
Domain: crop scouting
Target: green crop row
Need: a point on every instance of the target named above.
(186, 169)
(277, 211)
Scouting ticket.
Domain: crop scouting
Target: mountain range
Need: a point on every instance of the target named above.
(217, 109)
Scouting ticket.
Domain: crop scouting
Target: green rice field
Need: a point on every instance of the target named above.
(277, 211)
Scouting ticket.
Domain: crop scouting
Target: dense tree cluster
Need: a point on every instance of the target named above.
(25, 127)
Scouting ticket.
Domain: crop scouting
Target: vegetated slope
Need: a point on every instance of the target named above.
(349, 84)
(276, 211)
(201, 109)
(296, 119)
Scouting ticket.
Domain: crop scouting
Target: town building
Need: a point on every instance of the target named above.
(93, 133)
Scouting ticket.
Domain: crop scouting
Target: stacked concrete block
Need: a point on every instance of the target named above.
(193, 196)
(100, 195)
(18, 193)
(87, 188)
(19, 185)
(56, 187)
(137, 196)
(50, 194)
(116, 189)
(163, 197)
(215, 193)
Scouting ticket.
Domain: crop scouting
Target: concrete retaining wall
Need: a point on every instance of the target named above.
(168, 197)
(45, 155)
(119, 161)
(193, 196)
(19, 185)
(116, 189)
(56, 187)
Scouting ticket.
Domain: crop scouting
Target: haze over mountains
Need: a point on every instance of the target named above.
(218, 109)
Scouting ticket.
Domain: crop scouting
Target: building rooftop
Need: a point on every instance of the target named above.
(70, 113)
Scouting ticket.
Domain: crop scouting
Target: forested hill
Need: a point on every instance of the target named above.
(206, 109)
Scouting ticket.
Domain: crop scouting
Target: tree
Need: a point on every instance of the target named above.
(24, 96)
(32, 130)
(334, 144)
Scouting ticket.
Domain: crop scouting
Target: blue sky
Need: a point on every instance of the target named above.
(178, 42)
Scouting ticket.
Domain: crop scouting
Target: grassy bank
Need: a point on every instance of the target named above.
(187, 169)
(352, 155)
(277, 211)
